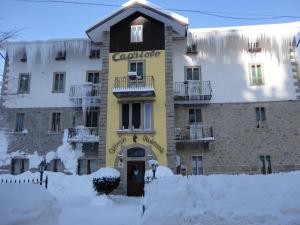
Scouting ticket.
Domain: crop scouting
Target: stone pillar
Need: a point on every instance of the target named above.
(170, 112)
(103, 100)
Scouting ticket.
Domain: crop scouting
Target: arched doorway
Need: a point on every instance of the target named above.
(135, 171)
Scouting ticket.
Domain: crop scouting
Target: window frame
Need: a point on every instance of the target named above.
(16, 123)
(136, 38)
(192, 67)
(197, 167)
(28, 82)
(252, 83)
(195, 115)
(260, 118)
(92, 72)
(142, 117)
(88, 165)
(24, 165)
(64, 82)
(136, 62)
(60, 122)
(263, 160)
(93, 50)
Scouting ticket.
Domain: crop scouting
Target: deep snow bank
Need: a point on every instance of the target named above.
(223, 200)
(27, 204)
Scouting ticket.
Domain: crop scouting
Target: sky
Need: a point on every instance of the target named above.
(40, 21)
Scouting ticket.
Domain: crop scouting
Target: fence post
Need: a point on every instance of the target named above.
(46, 182)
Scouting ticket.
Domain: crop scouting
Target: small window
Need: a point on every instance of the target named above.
(147, 116)
(266, 167)
(136, 33)
(19, 122)
(192, 49)
(95, 53)
(136, 152)
(56, 122)
(55, 165)
(256, 74)
(138, 67)
(59, 83)
(93, 77)
(61, 55)
(24, 83)
(19, 166)
(92, 118)
(23, 57)
(195, 116)
(254, 47)
(197, 166)
(260, 117)
(86, 166)
(192, 73)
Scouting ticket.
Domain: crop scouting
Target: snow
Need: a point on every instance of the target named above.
(161, 171)
(106, 172)
(27, 204)
(3, 148)
(226, 40)
(83, 134)
(223, 200)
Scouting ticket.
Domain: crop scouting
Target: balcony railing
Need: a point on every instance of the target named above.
(195, 132)
(134, 86)
(192, 91)
(83, 134)
(87, 94)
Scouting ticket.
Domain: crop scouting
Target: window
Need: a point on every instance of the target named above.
(192, 49)
(256, 75)
(254, 47)
(197, 166)
(192, 73)
(93, 77)
(59, 82)
(95, 53)
(136, 116)
(55, 165)
(195, 116)
(136, 33)
(265, 164)
(61, 55)
(136, 152)
(19, 166)
(260, 117)
(138, 67)
(86, 166)
(19, 122)
(24, 83)
(56, 122)
(92, 118)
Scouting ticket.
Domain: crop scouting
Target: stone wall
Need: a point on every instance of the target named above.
(239, 143)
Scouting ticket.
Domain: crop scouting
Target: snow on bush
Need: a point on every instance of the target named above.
(106, 172)
(106, 180)
(27, 204)
(161, 171)
(223, 200)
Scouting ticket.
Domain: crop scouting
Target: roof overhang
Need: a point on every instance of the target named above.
(178, 23)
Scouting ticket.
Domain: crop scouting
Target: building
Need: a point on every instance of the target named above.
(143, 86)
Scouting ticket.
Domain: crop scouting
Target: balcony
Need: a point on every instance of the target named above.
(83, 134)
(195, 133)
(134, 86)
(192, 92)
(87, 94)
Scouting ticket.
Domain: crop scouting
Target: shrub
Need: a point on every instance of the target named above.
(106, 185)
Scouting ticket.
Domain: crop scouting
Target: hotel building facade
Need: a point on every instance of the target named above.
(144, 86)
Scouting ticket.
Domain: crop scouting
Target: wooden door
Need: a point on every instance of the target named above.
(135, 178)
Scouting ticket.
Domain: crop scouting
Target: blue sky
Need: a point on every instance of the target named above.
(49, 20)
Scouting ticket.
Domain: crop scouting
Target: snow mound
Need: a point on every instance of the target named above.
(223, 200)
(106, 172)
(101, 200)
(161, 171)
(27, 204)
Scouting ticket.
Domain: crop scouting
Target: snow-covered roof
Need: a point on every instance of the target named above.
(178, 22)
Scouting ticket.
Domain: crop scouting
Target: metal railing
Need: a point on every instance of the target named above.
(88, 92)
(193, 90)
(195, 132)
(23, 181)
(127, 83)
(83, 134)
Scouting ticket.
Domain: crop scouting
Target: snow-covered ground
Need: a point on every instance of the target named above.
(169, 200)
(224, 200)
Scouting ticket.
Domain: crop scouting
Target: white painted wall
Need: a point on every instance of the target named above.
(41, 94)
(230, 78)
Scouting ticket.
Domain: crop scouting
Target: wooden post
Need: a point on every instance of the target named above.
(46, 182)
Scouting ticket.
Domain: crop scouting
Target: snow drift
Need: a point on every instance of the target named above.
(27, 204)
(223, 200)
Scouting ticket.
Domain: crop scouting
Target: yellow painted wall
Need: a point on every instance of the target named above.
(154, 66)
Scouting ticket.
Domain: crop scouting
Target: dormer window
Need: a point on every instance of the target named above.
(136, 33)
(95, 53)
(254, 47)
(61, 55)
(192, 49)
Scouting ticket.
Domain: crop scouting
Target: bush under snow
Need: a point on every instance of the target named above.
(223, 200)
(161, 171)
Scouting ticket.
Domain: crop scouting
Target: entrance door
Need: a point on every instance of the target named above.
(135, 178)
